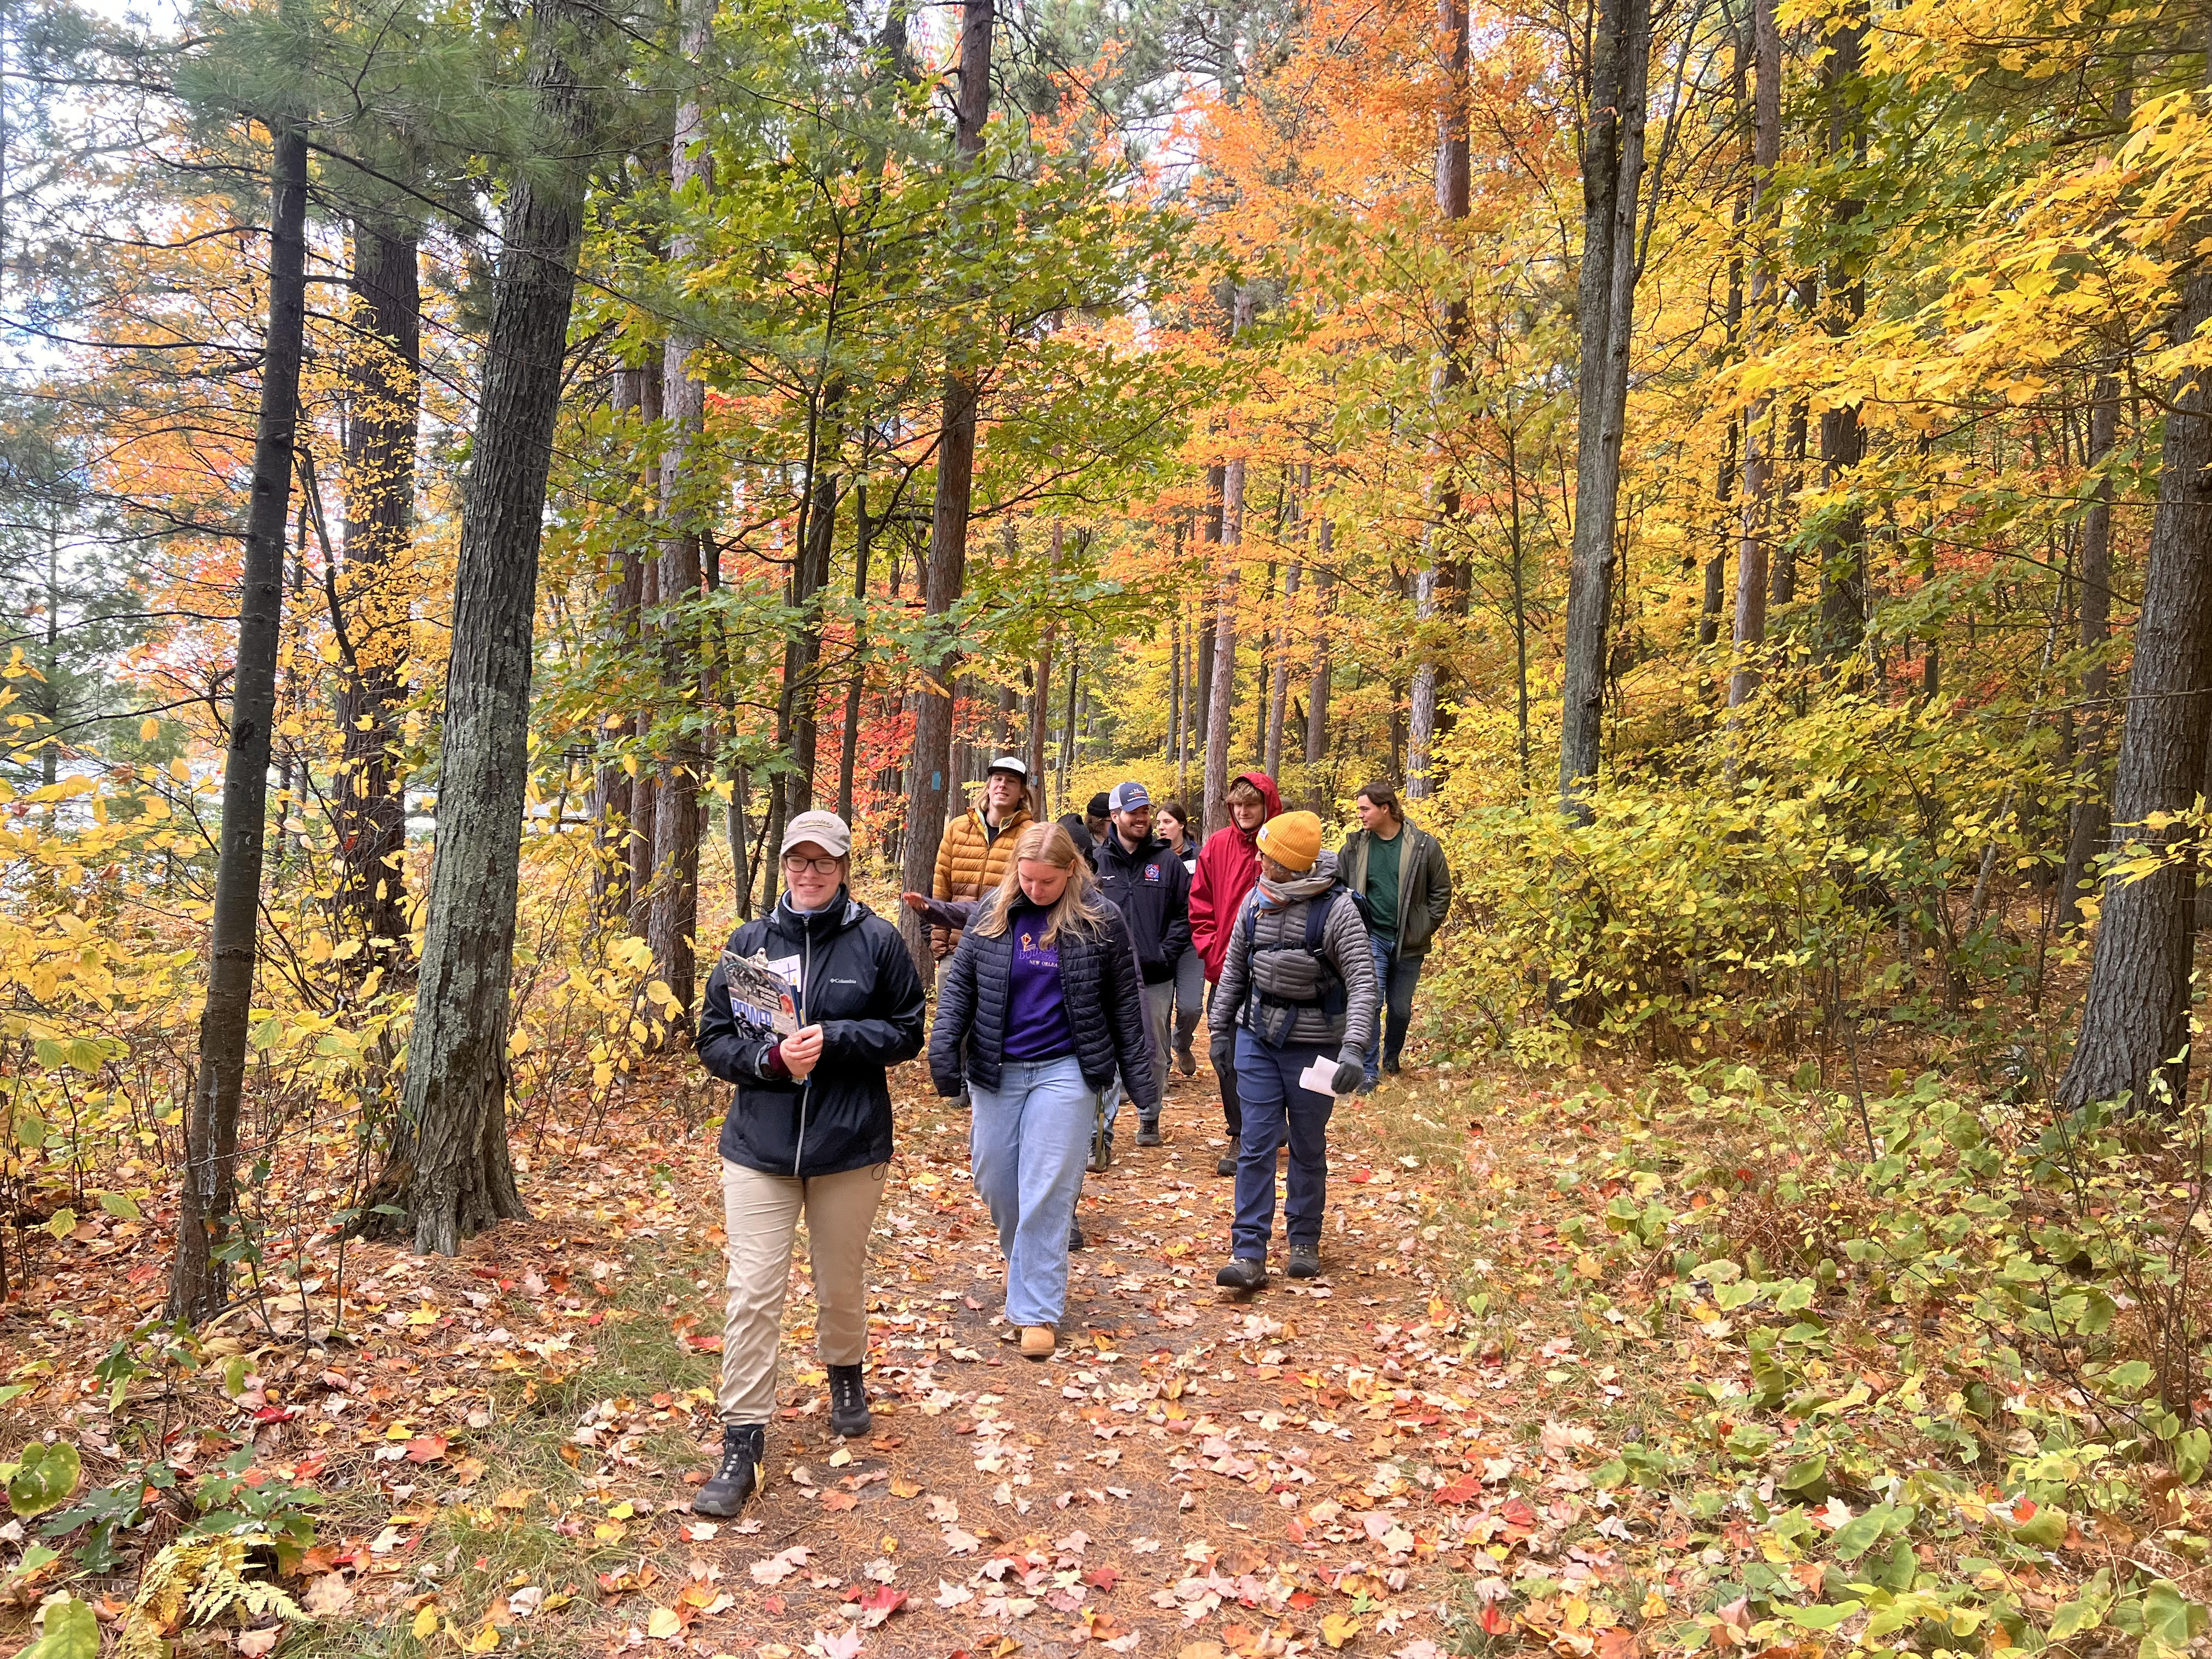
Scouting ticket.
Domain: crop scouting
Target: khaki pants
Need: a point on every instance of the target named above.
(761, 1214)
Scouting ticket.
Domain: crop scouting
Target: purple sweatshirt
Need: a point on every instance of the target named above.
(1036, 1014)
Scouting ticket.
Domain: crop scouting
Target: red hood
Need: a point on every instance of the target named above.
(1228, 865)
(1270, 797)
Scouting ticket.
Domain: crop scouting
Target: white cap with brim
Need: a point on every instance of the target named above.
(1013, 763)
(825, 829)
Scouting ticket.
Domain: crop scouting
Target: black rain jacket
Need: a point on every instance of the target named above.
(856, 981)
(1152, 890)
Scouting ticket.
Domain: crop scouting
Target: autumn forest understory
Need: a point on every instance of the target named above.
(470, 477)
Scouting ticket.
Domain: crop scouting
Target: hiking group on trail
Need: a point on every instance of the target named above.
(1069, 957)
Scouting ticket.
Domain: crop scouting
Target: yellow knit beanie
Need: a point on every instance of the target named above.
(1292, 839)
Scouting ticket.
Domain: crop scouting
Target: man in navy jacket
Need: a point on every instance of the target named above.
(1147, 883)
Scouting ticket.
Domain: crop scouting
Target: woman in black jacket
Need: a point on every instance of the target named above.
(808, 1131)
(1040, 1007)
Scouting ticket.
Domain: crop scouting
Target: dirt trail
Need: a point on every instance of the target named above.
(1259, 1473)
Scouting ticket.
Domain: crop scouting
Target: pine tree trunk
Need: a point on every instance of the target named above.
(381, 370)
(448, 1170)
(948, 529)
(1612, 173)
(2135, 1020)
(199, 1279)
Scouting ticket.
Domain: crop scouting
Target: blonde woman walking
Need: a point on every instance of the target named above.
(1038, 1009)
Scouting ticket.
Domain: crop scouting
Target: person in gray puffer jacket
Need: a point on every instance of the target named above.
(1297, 985)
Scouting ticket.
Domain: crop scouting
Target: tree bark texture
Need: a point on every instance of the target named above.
(1316, 743)
(1612, 173)
(1221, 691)
(1041, 690)
(1842, 443)
(1754, 546)
(644, 790)
(448, 1170)
(381, 370)
(849, 751)
(685, 522)
(1453, 198)
(199, 1277)
(932, 766)
(2090, 820)
(615, 791)
(2134, 1019)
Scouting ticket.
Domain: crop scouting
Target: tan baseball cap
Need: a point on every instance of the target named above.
(825, 829)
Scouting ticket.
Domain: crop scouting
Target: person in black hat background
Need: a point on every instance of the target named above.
(1142, 877)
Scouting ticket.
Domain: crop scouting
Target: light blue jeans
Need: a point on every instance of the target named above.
(1030, 1139)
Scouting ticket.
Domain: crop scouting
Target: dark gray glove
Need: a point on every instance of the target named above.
(1350, 1074)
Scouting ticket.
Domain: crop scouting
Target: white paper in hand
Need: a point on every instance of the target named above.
(1320, 1077)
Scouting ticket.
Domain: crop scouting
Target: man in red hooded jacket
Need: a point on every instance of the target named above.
(1228, 869)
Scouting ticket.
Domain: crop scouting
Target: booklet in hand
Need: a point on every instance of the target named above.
(1320, 1077)
(760, 993)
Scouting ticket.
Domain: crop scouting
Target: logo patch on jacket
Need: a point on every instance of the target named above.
(1151, 872)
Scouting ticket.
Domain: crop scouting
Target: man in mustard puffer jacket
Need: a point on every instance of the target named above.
(972, 855)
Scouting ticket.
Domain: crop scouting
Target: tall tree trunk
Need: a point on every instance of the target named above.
(686, 521)
(848, 751)
(645, 792)
(948, 528)
(1453, 195)
(1201, 689)
(1067, 734)
(199, 1277)
(1278, 692)
(1752, 550)
(447, 1171)
(1221, 694)
(1040, 689)
(1317, 744)
(798, 705)
(613, 796)
(2090, 818)
(2134, 1019)
(381, 370)
(1709, 621)
(1613, 175)
(1782, 562)
(1842, 443)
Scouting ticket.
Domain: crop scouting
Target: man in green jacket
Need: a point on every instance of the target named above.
(1399, 869)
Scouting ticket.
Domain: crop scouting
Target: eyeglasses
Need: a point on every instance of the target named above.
(819, 867)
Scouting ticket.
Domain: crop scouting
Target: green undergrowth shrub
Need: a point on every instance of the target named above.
(1942, 1361)
(1857, 858)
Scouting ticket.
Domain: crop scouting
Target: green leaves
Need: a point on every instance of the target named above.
(2043, 1530)
(44, 1479)
(71, 1633)
(1858, 1534)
